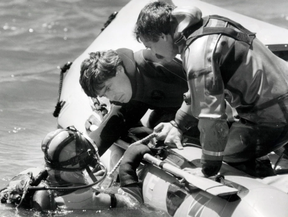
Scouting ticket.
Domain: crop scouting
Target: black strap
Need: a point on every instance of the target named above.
(232, 22)
(113, 199)
(90, 173)
(60, 104)
(41, 176)
(240, 36)
(200, 29)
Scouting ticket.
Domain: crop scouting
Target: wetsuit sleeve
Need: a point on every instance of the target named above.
(207, 102)
(184, 119)
(116, 123)
(131, 160)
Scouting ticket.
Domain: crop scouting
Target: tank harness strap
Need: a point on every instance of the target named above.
(200, 29)
(240, 36)
(233, 23)
(279, 100)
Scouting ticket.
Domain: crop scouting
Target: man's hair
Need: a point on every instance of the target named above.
(153, 20)
(98, 68)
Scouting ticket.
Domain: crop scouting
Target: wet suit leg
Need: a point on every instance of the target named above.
(248, 143)
(127, 170)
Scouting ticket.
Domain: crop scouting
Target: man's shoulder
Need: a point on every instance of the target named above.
(199, 54)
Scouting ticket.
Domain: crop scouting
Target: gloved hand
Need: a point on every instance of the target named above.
(210, 168)
(16, 189)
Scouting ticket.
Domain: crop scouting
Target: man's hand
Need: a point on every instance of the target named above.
(171, 135)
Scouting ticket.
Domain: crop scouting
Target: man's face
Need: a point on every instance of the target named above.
(118, 88)
(163, 49)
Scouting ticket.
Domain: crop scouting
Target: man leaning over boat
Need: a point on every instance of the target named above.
(223, 61)
(134, 83)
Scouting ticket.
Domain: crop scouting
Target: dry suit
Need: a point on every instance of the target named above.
(225, 61)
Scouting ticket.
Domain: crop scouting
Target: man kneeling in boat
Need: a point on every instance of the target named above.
(63, 183)
(223, 61)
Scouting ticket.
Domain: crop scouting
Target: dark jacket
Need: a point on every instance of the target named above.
(155, 86)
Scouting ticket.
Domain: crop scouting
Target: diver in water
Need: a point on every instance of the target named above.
(63, 183)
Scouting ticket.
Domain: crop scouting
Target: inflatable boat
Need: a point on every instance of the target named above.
(176, 192)
(118, 33)
(171, 183)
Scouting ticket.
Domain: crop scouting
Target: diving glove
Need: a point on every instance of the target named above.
(17, 189)
(210, 168)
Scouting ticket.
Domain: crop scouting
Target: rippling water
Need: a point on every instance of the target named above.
(36, 36)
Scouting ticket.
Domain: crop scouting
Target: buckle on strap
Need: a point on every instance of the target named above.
(213, 153)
